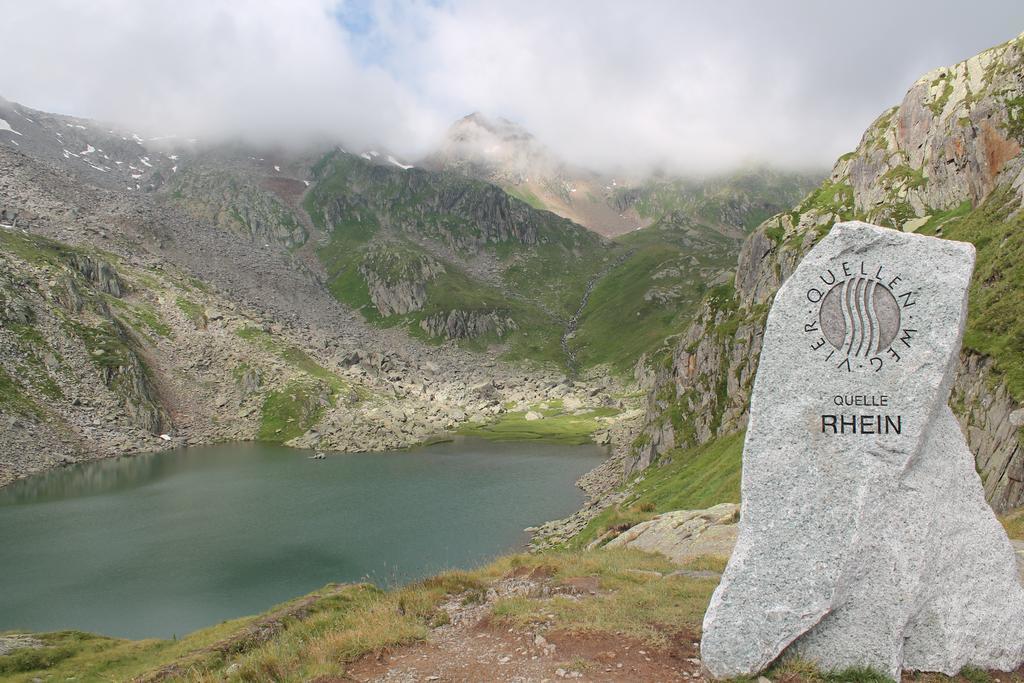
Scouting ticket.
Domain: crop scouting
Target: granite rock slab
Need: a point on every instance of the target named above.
(864, 535)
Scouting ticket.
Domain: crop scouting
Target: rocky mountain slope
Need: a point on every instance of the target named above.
(325, 299)
(447, 256)
(193, 308)
(947, 161)
(505, 154)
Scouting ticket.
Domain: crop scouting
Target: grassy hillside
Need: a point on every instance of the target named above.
(448, 257)
(652, 293)
(459, 246)
(995, 318)
(740, 200)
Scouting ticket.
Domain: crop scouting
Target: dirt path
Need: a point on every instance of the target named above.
(484, 653)
(473, 648)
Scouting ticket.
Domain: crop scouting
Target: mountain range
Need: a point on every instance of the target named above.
(166, 292)
(349, 299)
(198, 292)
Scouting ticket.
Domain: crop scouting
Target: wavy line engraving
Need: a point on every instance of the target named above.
(869, 306)
(844, 294)
(859, 317)
(858, 302)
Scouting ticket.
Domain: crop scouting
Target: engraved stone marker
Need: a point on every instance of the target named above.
(865, 538)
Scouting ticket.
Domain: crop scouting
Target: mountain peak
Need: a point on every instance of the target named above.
(494, 148)
(479, 126)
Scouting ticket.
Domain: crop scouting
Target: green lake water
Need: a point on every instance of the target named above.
(163, 544)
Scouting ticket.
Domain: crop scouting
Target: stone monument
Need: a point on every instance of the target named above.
(865, 538)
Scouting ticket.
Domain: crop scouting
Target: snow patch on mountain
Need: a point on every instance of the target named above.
(6, 126)
(399, 164)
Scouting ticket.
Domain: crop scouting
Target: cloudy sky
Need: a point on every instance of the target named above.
(696, 86)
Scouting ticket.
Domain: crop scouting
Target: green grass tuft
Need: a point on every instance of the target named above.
(193, 311)
(290, 411)
(556, 427)
(796, 669)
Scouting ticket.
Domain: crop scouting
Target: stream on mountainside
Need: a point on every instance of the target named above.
(573, 322)
(162, 544)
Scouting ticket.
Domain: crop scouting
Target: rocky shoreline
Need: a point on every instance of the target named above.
(213, 375)
(601, 485)
(117, 350)
(398, 414)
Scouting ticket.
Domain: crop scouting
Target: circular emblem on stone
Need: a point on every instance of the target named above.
(859, 317)
(862, 316)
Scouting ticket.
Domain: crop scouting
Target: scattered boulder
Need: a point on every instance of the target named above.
(572, 403)
(485, 390)
(99, 272)
(684, 535)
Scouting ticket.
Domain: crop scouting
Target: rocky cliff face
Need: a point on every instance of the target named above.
(397, 279)
(468, 324)
(228, 196)
(991, 420)
(948, 156)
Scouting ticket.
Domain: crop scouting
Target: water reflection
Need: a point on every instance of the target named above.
(100, 477)
(165, 543)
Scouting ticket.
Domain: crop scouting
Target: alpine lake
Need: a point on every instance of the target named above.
(161, 544)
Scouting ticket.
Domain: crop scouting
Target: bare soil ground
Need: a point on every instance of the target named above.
(474, 648)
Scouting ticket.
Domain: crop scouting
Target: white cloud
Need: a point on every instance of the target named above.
(272, 70)
(696, 86)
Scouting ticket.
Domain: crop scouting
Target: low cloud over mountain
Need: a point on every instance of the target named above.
(690, 87)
